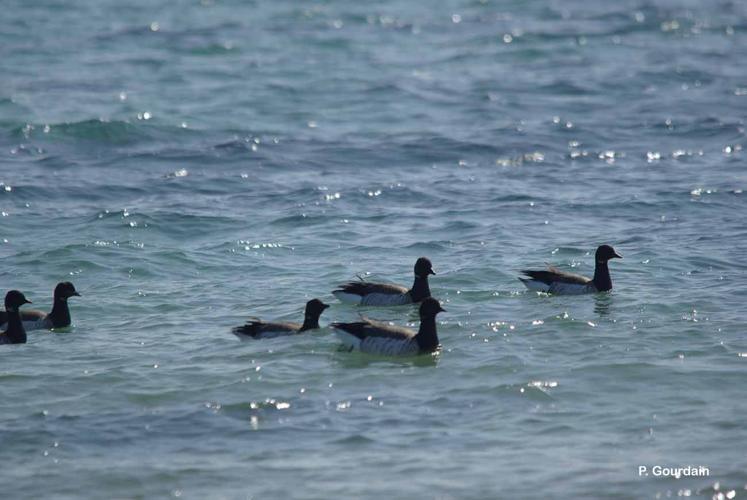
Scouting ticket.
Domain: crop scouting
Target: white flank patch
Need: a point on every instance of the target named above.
(271, 334)
(29, 325)
(386, 299)
(35, 325)
(389, 347)
(561, 288)
(347, 298)
(267, 334)
(243, 337)
(535, 285)
(348, 340)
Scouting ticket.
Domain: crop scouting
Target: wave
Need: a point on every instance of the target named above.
(98, 130)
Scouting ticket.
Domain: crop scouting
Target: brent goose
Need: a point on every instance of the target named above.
(374, 337)
(383, 294)
(559, 282)
(258, 329)
(59, 317)
(14, 333)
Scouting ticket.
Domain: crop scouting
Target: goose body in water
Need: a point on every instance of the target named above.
(559, 282)
(59, 317)
(374, 337)
(258, 329)
(384, 294)
(14, 333)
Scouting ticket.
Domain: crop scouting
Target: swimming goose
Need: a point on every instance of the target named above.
(14, 333)
(374, 337)
(258, 329)
(559, 282)
(59, 317)
(383, 294)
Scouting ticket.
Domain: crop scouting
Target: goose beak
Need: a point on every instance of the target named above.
(431, 271)
(27, 301)
(441, 309)
(617, 255)
(76, 294)
(325, 306)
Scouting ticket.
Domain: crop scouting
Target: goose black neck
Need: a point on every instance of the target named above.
(427, 337)
(310, 322)
(60, 314)
(602, 280)
(15, 332)
(420, 289)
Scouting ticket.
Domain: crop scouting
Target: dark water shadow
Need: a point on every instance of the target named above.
(602, 303)
(355, 360)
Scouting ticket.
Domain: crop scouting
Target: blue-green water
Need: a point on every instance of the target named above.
(188, 164)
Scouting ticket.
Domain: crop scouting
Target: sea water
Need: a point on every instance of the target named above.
(190, 164)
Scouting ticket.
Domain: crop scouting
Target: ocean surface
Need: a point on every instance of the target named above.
(190, 164)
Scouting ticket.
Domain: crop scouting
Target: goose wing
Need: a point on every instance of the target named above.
(363, 288)
(28, 316)
(32, 315)
(369, 328)
(555, 275)
(377, 338)
(258, 328)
